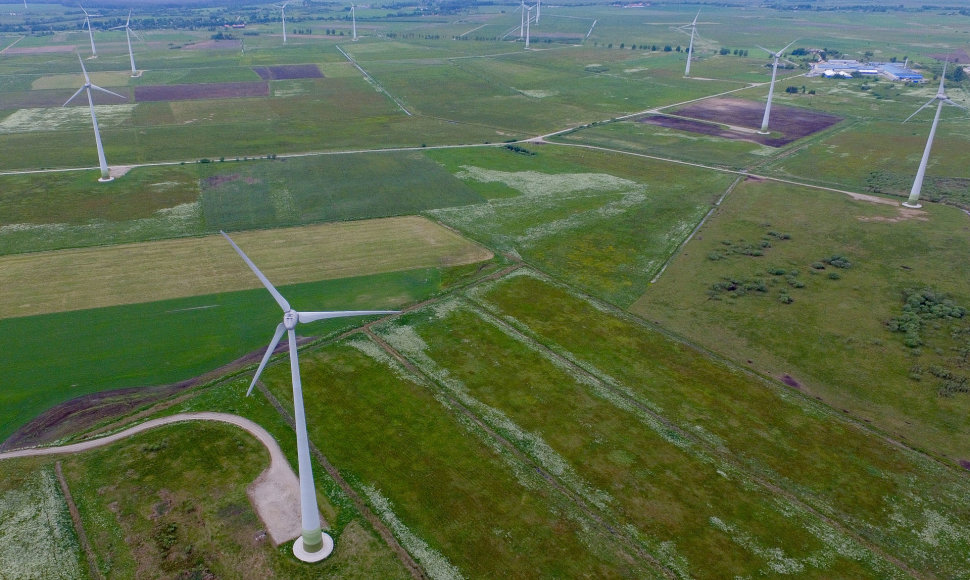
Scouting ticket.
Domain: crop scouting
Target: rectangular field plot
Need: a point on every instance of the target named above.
(865, 488)
(291, 71)
(457, 500)
(125, 274)
(200, 91)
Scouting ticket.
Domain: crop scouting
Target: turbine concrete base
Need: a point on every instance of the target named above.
(915, 205)
(106, 179)
(763, 132)
(317, 556)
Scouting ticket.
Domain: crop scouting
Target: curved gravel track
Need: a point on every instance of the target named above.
(275, 494)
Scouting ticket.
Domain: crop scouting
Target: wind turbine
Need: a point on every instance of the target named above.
(941, 98)
(88, 85)
(690, 47)
(313, 545)
(771, 89)
(538, 10)
(528, 19)
(283, 17)
(353, 17)
(87, 22)
(128, 33)
(521, 19)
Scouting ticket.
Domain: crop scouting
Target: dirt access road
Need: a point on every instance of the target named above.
(275, 494)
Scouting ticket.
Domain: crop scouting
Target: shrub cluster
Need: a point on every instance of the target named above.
(919, 307)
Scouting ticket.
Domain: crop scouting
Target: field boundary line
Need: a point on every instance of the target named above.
(78, 524)
(699, 225)
(373, 81)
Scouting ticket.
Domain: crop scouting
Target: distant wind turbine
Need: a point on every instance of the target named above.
(353, 17)
(87, 22)
(690, 47)
(128, 33)
(283, 17)
(941, 98)
(528, 19)
(771, 88)
(538, 10)
(314, 545)
(87, 86)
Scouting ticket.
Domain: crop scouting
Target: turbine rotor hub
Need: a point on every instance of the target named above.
(290, 319)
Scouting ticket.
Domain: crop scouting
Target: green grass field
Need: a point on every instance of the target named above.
(833, 338)
(790, 397)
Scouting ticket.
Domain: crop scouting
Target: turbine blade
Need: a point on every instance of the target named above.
(928, 103)
(765, 49)
(84, 70)
(272, 290)
(127, 22)
(949, 102)
(314, 316)
(72, 97)
(788, 45)
(93, 86)
(694, 23)
(280, 329)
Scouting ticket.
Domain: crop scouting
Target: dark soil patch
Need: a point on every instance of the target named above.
(790, 381)
(958, 55)
(86, 412)
(231, 44)
(288, 71)
(217, 180)
(201, 91)
(965, 464)
(793, 123)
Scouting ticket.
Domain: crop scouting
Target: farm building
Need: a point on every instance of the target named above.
(848, 68)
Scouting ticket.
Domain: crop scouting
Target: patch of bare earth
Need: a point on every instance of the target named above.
(736, 118)
(903, 214)
(39, 49)
(288, 71)
(231, 44)
(201, 91)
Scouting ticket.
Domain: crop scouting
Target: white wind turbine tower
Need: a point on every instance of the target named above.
(528, 19)
(128, 33)
(941, 98)
(538, 10)
(690, 46)
(283, 17)
(88, 85)
(353, 17)
(771, 88)
(313, 545)
(87, 22)
(522, 19)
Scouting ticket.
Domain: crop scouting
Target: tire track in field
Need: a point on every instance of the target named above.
(480, 308)
(613, 529)
(78, 524)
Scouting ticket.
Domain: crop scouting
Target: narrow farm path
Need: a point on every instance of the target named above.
(275, 494)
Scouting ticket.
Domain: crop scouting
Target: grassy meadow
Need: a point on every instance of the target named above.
(832, 338)
(604, 368)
